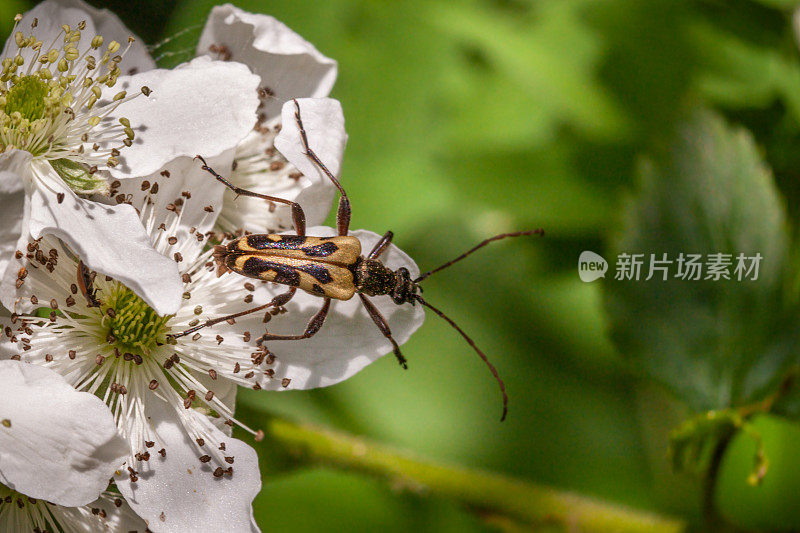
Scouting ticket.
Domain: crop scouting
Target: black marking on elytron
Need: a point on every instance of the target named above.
(320, 250)
(317, 271)
(317, 289)
(286, 274)
(280, 242)
(255, 266)
(290, 242)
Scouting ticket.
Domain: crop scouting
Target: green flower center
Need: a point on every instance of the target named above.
(26, 97)
(134, 324)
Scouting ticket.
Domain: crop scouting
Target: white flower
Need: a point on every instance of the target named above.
(288, 67)
(75, 115)
(172, 400)
(58, 448)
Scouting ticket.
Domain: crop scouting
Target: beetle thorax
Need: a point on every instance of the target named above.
(373, 278)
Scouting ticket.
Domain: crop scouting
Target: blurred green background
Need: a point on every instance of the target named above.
(469, 118)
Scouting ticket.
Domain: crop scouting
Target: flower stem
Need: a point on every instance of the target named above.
(495, 496)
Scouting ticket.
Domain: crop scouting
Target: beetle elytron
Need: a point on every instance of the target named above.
(329, 267)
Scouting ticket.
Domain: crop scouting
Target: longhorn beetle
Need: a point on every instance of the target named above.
(329, 267)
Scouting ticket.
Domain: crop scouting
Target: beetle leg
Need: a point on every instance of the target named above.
(381, 245)
(377, 317)
(343, 212)
(311, 329)
(277, 301)
(298, 215)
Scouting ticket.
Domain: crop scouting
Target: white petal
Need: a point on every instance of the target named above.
(58, 444)
(349, 340)
(185, 175)
(7, 348)
(14, 215)
(14, 170)
(53, 13)
(204, 107)
(110, 240)
(287, 64)
(178, 494)
(9, 269)
(323, 122)
(113, 517)
(14, 211)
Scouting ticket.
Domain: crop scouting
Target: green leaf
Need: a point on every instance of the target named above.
(743, 74)
(543, 60)
(715, 344)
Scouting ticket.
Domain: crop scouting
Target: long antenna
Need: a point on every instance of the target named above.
(475, 248)
(480, 353)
